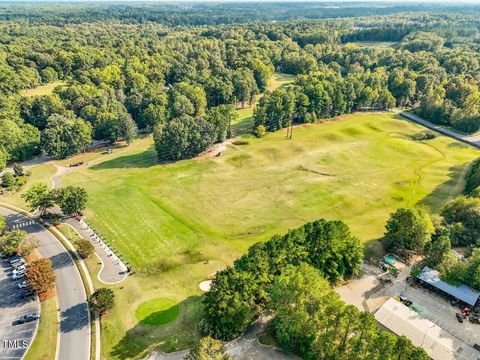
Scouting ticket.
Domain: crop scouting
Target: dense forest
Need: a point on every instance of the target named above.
(119, 74)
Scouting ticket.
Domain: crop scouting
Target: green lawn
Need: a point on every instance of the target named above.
(44, 345)
(40, 174)
(178, 223)
(46, 89)
(157, 311)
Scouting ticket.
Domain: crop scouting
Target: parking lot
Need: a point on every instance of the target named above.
(14, 336)
(369, 293)
(438, 310)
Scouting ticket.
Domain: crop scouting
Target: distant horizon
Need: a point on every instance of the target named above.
(249, 1)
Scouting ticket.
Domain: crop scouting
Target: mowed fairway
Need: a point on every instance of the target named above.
(178, 223)
(358, 168)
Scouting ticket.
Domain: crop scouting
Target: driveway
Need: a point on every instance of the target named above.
(15, 338)
(74, 317)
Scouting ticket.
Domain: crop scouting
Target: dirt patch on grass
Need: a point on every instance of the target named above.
(303, 168)
(215, 151)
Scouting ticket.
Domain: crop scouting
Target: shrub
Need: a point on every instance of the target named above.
(84, 248)
(260, 131)
(18, 169)
(8, 180)
(241, 142)
(208, 348)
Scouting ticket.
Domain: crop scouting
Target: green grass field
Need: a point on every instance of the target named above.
(40, 174)
(357, 169)
(178, 223)
(157, 311)
(46, 89)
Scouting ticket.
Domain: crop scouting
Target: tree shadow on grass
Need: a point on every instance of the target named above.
(144, 159)
(181, 333)
(446, 191)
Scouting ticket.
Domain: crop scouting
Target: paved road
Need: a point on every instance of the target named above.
(473, 140)
(15, 338)
(74, 318)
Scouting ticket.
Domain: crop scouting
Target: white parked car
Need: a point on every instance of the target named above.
(23, 285)
(19, 269)
(18, 275)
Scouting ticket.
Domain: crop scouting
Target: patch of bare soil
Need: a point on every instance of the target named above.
(215, 151)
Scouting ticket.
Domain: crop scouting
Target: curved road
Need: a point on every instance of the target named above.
(74, 339)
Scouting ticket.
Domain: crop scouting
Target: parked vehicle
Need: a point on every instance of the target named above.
(29, 295)
(16, 259)
(29, 318)
(18, 264)
(19, 275)
(474, 318)
(459, 317)
(476, 346)
(19, 269)
(405, 300)
(23, 284)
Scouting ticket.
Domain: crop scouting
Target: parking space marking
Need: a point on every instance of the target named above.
(22, 224)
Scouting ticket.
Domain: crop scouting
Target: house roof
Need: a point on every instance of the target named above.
(462, 292)
(438, 343)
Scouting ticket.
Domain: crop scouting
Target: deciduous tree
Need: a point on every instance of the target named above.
(40, 275)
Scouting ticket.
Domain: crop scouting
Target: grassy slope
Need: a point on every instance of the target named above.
(46, 89)
(44, 344)
(194, 217)
(40, 174)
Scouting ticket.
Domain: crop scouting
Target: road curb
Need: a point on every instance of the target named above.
(90, 290)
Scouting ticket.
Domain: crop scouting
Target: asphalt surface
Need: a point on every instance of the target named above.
(473, 140)
(15, 338)
(111, 271)
(74, 340)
